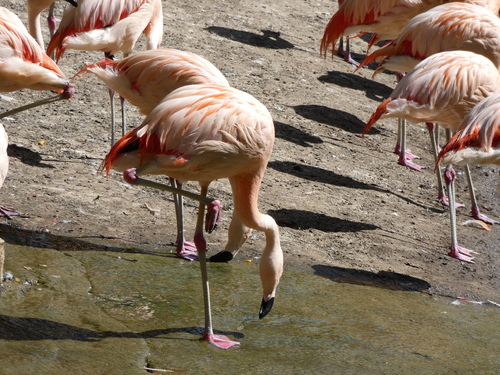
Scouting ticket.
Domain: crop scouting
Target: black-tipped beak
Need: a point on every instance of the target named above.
(73, 2)
(265, 307)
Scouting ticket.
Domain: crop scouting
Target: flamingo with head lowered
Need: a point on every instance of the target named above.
(202, 133)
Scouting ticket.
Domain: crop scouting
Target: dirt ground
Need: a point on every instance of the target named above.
(345, 208)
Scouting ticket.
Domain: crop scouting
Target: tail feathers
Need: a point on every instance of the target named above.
(53, 45)
(129, 142)
(57, 47)
(101, 64)
(380, 111)
(333, 31)
(140, 141)
(460, 141)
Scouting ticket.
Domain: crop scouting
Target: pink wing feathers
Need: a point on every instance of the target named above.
(441, 88)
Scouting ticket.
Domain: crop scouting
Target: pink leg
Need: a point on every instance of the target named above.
(401, 148)
(456, 251)
(346, 54)
(184, 249)
(475, 207)
(219, 341)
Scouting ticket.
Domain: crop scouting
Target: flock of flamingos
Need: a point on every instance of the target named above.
(198, 128)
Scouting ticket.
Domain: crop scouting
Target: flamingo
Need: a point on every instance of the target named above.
(201, 133)
(447, 27)
(35, 8)
(477, 142)
(443, 88)
(144, 79)
(109, 26)
(24, 65)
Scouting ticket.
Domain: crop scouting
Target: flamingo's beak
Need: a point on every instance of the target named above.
(265, 307)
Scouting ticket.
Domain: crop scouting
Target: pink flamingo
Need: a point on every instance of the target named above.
(477, 142)
(447, 27)
(201, 133)
(109, 26)
(443, 88)
(144, 79)
(24, 65)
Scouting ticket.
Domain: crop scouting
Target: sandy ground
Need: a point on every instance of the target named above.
(345, 208)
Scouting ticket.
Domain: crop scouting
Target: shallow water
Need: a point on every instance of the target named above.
(105, 309)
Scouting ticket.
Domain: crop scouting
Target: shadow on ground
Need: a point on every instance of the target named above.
(381, 279)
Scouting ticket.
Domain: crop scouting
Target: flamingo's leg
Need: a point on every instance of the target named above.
(433, 130)
(184, 249)
(218, 341)
(112, 100)
(405, 156)
(346, 53)
(475, 207)
(456, 251)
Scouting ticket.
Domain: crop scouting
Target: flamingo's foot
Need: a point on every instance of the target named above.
(409, 155)
(219, 341)
(348, 59)
(443, 199)
(461, 253)
(479, 216)
(213, 216)
(346, 55)
(445, 202)
(8, 212)
(409, 164)
(187, 250)
(223, 256)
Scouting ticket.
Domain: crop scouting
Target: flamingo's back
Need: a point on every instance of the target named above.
(386, 18)
(442, 89)
(199, 133)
